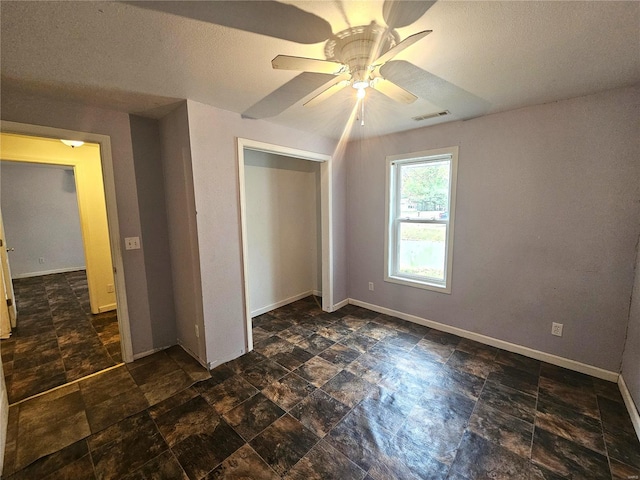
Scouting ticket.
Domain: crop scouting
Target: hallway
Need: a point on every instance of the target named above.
(57, 339)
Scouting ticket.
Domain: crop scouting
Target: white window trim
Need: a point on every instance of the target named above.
(389, 238)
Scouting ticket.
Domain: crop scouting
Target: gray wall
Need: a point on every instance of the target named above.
(213, 135)
(41, 219)
(37, 110)
(183, 235)
(547, 221)
(631, 356)
(145, 138)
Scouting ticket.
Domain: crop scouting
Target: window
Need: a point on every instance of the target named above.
(421, 191)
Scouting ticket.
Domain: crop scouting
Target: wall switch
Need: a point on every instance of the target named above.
(197, 331)
(556, 329)
(132, 243)
(41, 260)
(110, 288)
(371, 286)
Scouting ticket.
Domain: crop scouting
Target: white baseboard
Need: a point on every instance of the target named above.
(632, 408)
(494, 342)
(47, 272)
(107, 308)
(317, 293)
(281, 303)
(341, 304)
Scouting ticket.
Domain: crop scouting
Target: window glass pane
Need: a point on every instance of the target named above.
(421, 250)
(424, 190)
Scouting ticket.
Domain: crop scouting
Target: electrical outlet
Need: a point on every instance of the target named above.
(41, 260)
(371, 286)
(556, 329)
(110, 288)
(132, 243)
(197, 331)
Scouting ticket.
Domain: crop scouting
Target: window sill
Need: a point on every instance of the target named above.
(418, 284)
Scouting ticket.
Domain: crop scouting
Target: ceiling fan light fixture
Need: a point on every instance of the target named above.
(361, 93)
(360, 84)
(72, 143)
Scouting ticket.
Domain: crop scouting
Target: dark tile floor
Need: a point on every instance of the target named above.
(57, 339)
(347, 395)
(102, 426)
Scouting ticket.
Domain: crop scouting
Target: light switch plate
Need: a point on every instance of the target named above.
(132, 243)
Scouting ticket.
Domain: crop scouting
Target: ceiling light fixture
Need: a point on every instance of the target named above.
(72, 143)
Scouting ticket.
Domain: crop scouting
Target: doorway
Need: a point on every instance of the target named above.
(96, 298)
(307, 164)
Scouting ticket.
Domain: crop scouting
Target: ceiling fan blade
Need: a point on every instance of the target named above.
(302, 64)
(435, 89)
(335, 88)
(392, 90)
(407, 42)
(398, 13)
(266, 17)
(291, 92)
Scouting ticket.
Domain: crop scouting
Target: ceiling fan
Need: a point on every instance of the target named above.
(355, 57)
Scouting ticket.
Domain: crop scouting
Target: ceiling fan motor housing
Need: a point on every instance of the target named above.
(358, 47)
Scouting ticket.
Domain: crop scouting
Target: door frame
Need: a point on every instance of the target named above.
(325, 220)
(112, 213)
(7, 285)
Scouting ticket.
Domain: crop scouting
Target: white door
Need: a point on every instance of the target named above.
(7, 285)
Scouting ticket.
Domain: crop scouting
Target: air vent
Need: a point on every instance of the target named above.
(431, 115)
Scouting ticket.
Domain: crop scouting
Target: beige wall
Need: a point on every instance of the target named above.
(91, 204)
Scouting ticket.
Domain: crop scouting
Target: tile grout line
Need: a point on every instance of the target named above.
(87, 318)
(604, 440)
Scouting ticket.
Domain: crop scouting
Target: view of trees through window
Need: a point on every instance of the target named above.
(424, 196)
(425, 189)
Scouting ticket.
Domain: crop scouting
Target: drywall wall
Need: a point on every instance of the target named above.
(38, 110)
(145, 138)
(42, 223)
(631, 356)
(213, 135)
(547, 220)
(282, 218)
(182, 229)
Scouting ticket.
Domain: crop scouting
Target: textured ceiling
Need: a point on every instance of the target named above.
(482, 57)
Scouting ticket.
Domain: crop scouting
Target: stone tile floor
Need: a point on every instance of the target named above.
(57, 339)
(347, 395)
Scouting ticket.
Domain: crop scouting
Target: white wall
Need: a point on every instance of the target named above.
(547, 220)
(282, 217)
(213, 135)
(41, 219)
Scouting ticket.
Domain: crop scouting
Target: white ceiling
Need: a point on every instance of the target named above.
(482, 57)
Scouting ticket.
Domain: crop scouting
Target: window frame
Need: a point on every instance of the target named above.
(393, 220)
